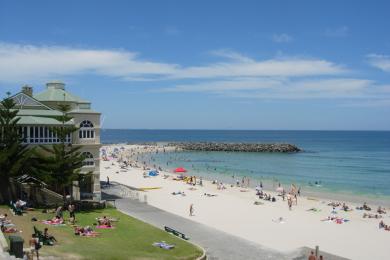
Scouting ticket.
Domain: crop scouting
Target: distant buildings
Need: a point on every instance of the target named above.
(37, 115)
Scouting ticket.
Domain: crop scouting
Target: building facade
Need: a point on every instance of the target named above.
(38, 114)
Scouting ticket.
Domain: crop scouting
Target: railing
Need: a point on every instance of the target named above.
(88, 141)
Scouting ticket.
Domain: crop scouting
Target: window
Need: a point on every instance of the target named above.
(41, 134)
(88, 161)
(86, 130)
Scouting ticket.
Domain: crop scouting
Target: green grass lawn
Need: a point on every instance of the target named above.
(131, 238)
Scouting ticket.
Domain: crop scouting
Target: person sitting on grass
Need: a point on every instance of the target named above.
(104, 221)
(47, 236)
(4, 219)
(59, 212)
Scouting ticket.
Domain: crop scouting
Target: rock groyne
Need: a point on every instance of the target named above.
(237, 147)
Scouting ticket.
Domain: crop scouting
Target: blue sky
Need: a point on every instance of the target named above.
(207, 64)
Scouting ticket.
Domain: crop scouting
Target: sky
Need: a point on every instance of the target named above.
(258, 65)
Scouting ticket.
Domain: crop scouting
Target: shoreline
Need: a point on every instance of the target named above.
(234, 212)
(270, 185)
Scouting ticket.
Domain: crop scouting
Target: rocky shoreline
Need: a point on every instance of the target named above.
(237, 147)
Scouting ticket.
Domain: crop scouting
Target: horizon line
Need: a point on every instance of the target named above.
(205, 129)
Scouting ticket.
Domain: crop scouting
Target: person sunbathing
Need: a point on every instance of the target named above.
(85, 231)
(8, 229)
(381, 210)
(381, 224)
(366, 207)
(104, 222)
(54, 221)
(368, 215)
(334, 204)
(178, 193)
(345, 207)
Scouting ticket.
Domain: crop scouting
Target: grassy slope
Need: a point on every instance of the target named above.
(131, 239)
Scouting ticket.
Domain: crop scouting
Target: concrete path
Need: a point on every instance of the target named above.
(218, 244)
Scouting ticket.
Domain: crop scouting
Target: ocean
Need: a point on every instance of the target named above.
(352, 163)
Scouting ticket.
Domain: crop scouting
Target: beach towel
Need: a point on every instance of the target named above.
(89, 234)
(105, 227)
(163, 245)
(53, 223)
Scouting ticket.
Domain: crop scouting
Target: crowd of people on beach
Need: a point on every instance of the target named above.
(133, 156)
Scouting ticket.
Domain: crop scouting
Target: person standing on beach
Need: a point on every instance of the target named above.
(191, 209)
(108, 181)
(289, 201)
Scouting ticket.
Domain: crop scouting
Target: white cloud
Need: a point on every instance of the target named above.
(282, 38)
(341, 31)
(21, 63)
(28, 63)
(379, 61)
(239, 65)
(233, 74)
(285, 88)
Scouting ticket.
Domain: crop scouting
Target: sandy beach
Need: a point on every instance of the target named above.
(233, 210)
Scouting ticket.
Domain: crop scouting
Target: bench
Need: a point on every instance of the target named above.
(175, 232)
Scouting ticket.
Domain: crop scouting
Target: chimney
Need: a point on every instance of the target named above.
(28, 90)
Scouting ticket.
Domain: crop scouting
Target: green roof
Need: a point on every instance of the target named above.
(37, 120)
(83, 111)
(55, 94)
(38, 112)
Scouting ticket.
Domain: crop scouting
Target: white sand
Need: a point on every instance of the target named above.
(234, 212)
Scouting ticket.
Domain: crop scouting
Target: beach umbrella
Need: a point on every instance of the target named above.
(180, 169)
(153, 173)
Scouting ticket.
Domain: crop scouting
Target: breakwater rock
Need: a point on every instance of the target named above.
(237, 147)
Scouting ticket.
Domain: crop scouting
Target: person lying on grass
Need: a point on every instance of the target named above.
(8, 229)
(85, 231)
(54, 221)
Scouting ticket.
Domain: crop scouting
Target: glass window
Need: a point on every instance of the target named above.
(86, 130)
(88, 161)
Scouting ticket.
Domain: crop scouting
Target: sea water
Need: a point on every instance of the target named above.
(342, 162)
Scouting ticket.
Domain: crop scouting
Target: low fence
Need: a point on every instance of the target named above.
(127, 192)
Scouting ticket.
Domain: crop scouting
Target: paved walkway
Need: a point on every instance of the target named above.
(218, 244)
